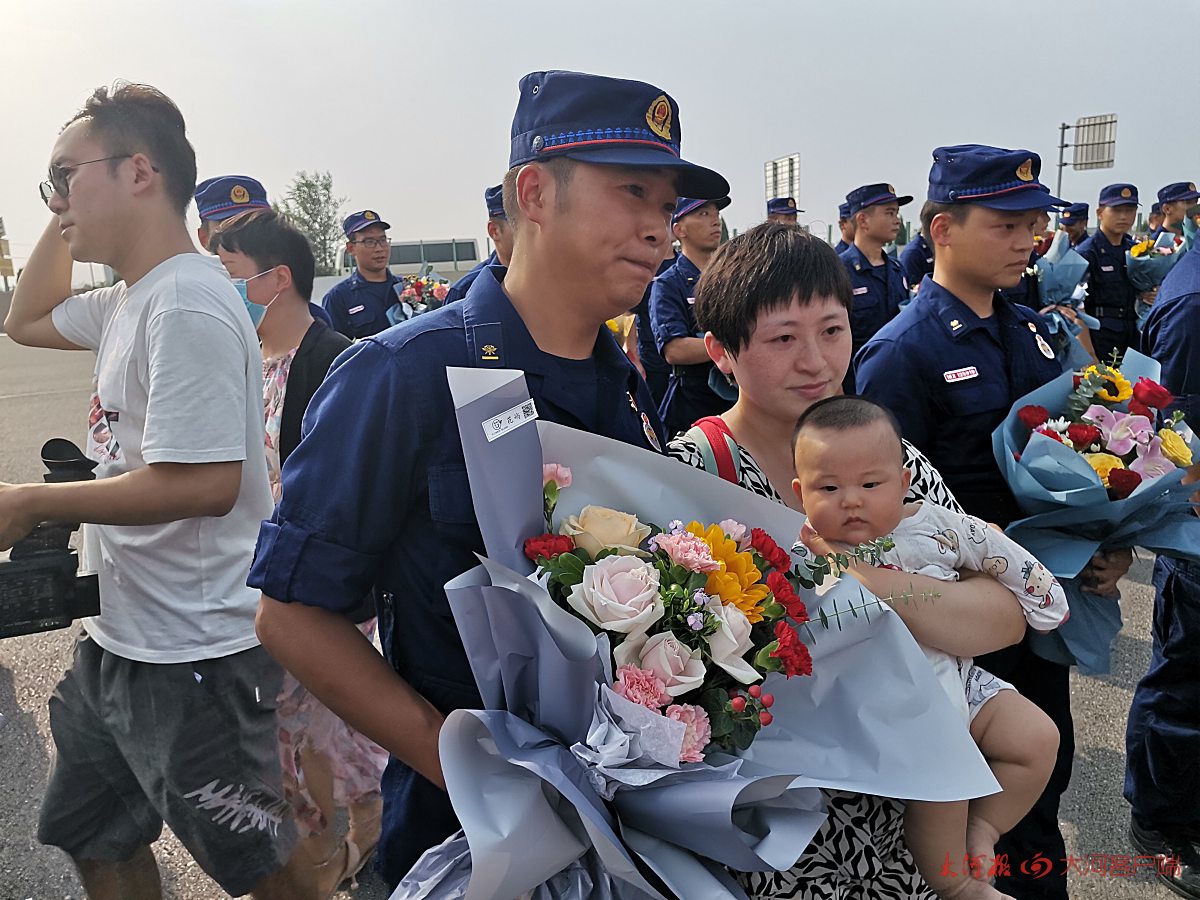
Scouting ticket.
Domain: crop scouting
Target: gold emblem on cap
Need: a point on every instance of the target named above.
(1025, 170)
(658, 117)
(368, 215)
(891, 190)
(1191, 187)
(1126, 192)
(1067, 214)
(239, 194)
(791, 203)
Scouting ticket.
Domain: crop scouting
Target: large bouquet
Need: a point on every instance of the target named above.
(1148, 262)
(589, 773)
(1096, 464)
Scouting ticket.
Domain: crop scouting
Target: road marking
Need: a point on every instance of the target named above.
(76, 391)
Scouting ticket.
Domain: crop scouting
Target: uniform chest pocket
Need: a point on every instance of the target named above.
(450, 495)
(965, 399)
(359, 316)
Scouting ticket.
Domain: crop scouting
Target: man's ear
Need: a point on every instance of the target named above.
(535, 193)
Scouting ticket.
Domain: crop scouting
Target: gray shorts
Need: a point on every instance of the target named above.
(192, 744)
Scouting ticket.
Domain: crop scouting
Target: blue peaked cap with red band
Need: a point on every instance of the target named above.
(493, 198)
(873, 195)
(782, 206)
(606, 121)
(686, 205)
(989, 176)
(1075, 212)
(227, 195)
(1120, 194)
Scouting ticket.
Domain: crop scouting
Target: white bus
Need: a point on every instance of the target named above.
(449, 259)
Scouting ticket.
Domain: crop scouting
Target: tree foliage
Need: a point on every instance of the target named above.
(312, 207)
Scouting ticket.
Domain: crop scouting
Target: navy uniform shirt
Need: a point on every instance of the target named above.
(878, 292)
(950, 378)
(1171, 331)
(1026, 291)
(657, 370)
(1110, 293)
(672, 316)
(358, 308)
(318, 313)
(917, 260)
(376, 496)
(841, 247)
(459, 289)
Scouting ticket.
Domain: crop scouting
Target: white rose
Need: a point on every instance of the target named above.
(680, 668)
(731, 641)
(598, 528)
(618, 593)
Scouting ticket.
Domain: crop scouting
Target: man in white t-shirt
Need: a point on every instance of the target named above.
(168, 710)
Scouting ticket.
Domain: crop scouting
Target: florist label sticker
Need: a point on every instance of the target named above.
(960, 374)
(498, 426)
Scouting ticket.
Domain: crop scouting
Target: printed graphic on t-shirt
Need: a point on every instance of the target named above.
(102, 443)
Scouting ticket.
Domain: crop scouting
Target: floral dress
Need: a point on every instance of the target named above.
(859, 851)
(304, 722)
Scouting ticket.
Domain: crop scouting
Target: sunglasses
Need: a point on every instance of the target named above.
(59, 181)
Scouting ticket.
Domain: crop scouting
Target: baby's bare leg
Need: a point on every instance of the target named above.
(1020, 742)
(936, 835)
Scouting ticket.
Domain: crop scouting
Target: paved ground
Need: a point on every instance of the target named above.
(45, 394)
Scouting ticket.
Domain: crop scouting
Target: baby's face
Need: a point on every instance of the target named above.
(851, 483)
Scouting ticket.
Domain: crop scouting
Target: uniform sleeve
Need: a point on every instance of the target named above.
(318, 313)
(197, 394)
(984, 549)
(927, 482)
(1170, 338)
(333, 305)
(80, 319)
(347, 487)
(884, 371)
(669, 314)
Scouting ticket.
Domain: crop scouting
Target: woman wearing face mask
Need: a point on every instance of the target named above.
(326, 764)
(774, 305)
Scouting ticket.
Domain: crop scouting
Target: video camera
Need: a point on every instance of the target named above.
(39, 587)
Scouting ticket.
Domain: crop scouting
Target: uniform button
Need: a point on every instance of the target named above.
(538, 142)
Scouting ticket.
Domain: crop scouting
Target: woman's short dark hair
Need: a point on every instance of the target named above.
(761, 271)
(138, 118)
(269, 239)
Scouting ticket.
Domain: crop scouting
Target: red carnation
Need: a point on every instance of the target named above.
(1033, 416)
(548, 545)
(786, 597)
(1151, 393)
(765, 546)
(1138, 408)
(791, 651)
(1083, 435)
(1076, 382)
(1050, 433)
(1123, 482)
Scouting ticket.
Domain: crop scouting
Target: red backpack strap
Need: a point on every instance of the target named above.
(718, 450)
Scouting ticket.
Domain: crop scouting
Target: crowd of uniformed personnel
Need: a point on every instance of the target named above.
(373, 498)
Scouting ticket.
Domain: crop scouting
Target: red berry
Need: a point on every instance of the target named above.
(765, 718)
(768, 700)
(755, 691)
(738, 704)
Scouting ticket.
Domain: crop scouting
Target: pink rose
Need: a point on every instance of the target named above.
(560, 475)
(618, 593)
(680, 667)
(687, 550)
(737, 532)
(698, 733)
(642, 687)
(440, 291)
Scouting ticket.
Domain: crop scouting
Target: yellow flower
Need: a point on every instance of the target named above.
(1120, 384)
(1141, 249)
(738, 582)
(1175, 448)
(1103, 463)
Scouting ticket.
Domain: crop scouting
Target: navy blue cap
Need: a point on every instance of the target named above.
(1156, 208)
(227, 195)
(1074, 212)
(356, 222)
(1180, 190)
(843, 210)
(873, 195)
(989, 176)
(685, 205)
(607, 121)
(493, 197)
(1118, 195)
(782, 206)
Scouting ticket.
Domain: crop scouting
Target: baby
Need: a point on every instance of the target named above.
(851, 484)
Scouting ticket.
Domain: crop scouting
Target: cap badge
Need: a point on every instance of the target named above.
(1191, 187)
(239, 194)
(1067, 214)
(891, 190)
(791, 203)
(1025, 170)
(370, 216)
(1126, 192)
(658, 117)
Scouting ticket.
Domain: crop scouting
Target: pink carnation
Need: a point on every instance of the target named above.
(687, 550)
(440, 291)
(642, 687)
(560, 475)
(698, 733)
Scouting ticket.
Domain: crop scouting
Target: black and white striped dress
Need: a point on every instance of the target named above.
(859, 853)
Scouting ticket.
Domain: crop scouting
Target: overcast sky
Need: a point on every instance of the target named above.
(409, 104)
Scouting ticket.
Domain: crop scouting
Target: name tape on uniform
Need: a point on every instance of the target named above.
(860, 290)
(960, 374)
(500, 425)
